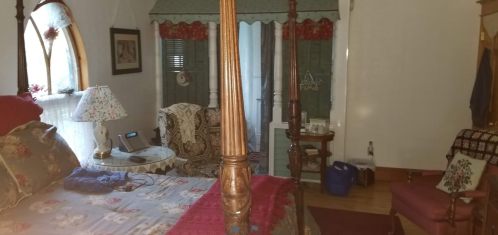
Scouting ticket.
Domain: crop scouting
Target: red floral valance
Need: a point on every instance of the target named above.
(310, 30)
(182, 30)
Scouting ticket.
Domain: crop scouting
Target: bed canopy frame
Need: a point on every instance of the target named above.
(235, 172)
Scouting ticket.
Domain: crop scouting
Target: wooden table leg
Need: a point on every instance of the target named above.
(323, 165)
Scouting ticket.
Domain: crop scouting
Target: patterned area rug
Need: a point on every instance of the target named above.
(254, 157)
(340, 222)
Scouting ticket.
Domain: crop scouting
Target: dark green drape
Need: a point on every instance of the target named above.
(267, 69)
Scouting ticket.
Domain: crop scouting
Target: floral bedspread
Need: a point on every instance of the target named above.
(148, 210)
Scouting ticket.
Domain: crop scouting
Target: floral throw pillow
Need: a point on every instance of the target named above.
(9, 193)
(36, 156)
(463, 174)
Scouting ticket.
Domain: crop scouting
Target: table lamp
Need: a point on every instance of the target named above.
(98, 104)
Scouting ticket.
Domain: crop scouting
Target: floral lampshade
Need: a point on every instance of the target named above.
(98, 104)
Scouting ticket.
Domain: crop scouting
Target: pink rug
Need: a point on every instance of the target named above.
(340, 222)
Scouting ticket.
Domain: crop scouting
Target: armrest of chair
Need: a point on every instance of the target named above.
(185, 166)
(411, 173)
(454, 196)
(472, 194)
(179, 160)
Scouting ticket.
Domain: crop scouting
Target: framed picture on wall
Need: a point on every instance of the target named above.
(126, 51)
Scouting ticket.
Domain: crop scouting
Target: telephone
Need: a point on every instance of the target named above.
(132, 141)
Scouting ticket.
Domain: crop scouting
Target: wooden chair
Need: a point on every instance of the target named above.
(438, 212)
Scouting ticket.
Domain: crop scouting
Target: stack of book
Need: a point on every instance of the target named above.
(310, 149)
(310, 159)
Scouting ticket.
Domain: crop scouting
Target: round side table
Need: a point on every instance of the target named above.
(323, 139)
(157, 157)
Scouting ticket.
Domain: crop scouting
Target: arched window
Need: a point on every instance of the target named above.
(53, 61)
(56, 63)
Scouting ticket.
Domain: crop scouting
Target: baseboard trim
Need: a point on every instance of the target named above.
(389, 174)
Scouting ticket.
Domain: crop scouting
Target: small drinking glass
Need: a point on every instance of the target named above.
(304, 116)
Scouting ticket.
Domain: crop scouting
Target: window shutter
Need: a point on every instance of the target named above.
(173, 56)
(190, 56)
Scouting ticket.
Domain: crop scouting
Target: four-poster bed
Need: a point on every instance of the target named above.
(235, 176)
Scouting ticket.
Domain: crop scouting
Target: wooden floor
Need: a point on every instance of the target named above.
(373, 199)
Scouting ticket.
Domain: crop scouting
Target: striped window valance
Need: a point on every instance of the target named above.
(248, 11)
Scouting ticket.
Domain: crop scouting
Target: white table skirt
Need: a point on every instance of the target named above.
(157, 157)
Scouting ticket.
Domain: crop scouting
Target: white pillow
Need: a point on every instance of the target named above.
(463, 174)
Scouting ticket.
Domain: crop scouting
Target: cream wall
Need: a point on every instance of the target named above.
(94, 18)
(411, 71)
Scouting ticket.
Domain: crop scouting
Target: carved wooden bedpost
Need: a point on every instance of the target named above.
(235, 170)
(22, 73)
(295, 118)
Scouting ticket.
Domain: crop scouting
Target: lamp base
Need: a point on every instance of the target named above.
(100, 135)
(101, 155)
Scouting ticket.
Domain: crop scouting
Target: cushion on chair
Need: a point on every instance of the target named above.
(439, 227)
(463, 174)
(428, 201)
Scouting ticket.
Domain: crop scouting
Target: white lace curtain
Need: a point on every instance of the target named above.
(57, 110)
(53, 15)
(250, 66)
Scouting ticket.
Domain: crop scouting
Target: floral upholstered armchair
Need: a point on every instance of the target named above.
(194, 134)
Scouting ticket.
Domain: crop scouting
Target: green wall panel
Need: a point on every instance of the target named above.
(281, 159)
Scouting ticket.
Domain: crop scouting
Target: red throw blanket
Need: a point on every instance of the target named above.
(205, 216)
